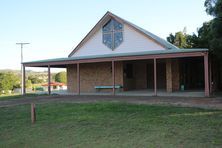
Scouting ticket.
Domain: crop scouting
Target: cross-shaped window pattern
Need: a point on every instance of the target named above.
(112, 34)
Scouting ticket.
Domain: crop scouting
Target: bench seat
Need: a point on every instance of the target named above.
(108, 87)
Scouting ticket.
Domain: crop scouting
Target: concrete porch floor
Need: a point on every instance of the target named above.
(196, 93)
(144, 92)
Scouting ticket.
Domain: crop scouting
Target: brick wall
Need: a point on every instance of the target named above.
(172, 75)
(141, 75)
(94, 74)
(71, 79)
(169, 86)
(176, 75)
(100, 74)
(139, 79)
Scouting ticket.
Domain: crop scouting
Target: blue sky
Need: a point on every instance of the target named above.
(54, 27)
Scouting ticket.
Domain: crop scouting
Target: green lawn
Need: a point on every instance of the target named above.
(110, 125)
(18, 96)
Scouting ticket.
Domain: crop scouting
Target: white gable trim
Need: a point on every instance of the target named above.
(99, 25)
(133, 41)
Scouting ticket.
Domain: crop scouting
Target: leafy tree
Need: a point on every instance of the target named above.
(34, 79)
(201, 40)
(204, 35)
(171, 38)
(53, 76)
(192, 41)
(8, 81)
(182, 40)
(61, 77)
(28, 84)
(214, 8)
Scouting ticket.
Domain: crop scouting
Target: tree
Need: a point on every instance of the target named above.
(183, 40)
(61, 77)
(28, 84)
(192, 41)
(171, 38)
(34, 79)
(180, 40)
(214, 8)
(8, 81)
(204, 35)
(53, 77)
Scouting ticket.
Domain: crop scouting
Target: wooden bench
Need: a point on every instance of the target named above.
(107, 87)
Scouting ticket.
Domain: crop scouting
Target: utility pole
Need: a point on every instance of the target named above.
(21, 44)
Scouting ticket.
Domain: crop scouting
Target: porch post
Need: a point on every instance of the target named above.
(113, 76)
(210, 76)
(206, 75)
(49, 80)
(78, 80)
(154, 70)
(23, 81)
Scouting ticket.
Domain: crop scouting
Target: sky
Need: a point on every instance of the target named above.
(54, 27)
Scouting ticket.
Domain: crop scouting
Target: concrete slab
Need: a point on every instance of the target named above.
(144, 92)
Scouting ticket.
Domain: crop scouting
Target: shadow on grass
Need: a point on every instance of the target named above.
(18, 96)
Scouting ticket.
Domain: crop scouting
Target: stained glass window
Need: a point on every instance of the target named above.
(107, 40)
(112, 34)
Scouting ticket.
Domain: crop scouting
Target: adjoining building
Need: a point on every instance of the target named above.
(54, 86)
(118, 56)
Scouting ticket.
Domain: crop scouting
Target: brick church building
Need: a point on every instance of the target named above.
(118, 56)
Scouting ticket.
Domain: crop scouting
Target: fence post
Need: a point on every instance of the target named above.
(33, 114)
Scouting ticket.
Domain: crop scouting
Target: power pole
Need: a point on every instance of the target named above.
(21, 44)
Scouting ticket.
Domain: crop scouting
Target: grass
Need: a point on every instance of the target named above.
(110, 125)
(18, 96)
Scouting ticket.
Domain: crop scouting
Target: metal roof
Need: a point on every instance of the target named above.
(153, 52)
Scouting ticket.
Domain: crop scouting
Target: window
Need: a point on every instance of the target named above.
(112, 34)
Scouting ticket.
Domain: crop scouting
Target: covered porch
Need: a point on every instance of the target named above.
(160, 80)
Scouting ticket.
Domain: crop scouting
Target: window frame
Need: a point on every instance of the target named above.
(112, 33)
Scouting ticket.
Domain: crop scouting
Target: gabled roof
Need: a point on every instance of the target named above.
(110, 15)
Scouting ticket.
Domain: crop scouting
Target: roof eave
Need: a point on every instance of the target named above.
(161, 54)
